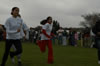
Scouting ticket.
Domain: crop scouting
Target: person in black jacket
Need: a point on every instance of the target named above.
(96, 31)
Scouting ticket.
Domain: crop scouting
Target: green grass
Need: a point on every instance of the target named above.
(63, 56)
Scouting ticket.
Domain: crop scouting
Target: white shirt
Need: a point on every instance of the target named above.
(47, 27)
(12, 25)
(91, 33)
(60, 31)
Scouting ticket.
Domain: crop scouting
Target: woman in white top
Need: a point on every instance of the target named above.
(13, 26)
(23, 35)
(46, 39)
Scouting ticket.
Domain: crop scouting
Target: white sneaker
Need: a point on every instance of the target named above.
(98, 62)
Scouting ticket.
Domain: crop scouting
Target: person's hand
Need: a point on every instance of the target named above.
(49, 37)
(55, 35)
(24, 37)
(18, 30)
(98, 33)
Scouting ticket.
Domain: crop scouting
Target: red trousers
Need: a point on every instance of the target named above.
(42, 44)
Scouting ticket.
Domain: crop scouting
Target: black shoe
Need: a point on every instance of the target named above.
(19, 64)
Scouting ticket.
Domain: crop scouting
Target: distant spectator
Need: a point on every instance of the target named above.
(64, 38)
(86, 37)
(71, 37)
(76, 38)
(60, 35)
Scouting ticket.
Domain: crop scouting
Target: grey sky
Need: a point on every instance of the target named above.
(67, 12)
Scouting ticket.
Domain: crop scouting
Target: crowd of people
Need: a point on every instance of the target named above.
(63, 37)
(66, 37)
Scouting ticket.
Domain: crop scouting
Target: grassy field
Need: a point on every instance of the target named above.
(63, 56)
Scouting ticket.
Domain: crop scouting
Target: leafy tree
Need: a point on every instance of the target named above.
(56, 26)
(90, 19)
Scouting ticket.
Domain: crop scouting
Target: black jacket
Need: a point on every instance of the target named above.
(96, 28)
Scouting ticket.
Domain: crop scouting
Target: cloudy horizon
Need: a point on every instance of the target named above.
(66, 12)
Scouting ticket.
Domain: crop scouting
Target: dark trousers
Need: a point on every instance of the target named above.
(97, 41)
(60, 40)
(8, 44)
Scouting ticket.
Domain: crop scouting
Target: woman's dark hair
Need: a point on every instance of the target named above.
(13, 10)
(43, 22)
(49, 18)
(3, 27)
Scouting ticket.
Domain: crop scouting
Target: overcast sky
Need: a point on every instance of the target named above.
(67, 12)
